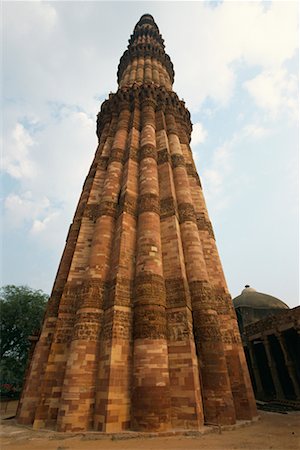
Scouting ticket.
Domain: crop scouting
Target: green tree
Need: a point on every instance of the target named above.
(22, 310)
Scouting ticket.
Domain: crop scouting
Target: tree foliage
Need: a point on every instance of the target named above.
(22, 310)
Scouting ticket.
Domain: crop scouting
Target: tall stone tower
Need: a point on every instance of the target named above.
(140, 331)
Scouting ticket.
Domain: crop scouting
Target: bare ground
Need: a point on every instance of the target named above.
(273, 431)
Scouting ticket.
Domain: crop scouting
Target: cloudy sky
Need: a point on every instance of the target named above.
(236, 67)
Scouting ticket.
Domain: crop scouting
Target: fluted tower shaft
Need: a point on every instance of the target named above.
(140, 332)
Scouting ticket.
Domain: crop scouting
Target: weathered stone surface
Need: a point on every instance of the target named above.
(149, 202)
(167, 207)
(140, 332)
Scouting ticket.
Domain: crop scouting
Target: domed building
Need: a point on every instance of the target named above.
(251, 306)
(270, 333)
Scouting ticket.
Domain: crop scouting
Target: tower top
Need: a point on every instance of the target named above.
(145, 47)
(147, 18)
(148, 21)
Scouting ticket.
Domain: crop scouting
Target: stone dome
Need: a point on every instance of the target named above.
(250, 298)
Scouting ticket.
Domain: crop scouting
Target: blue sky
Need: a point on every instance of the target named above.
(236, 67)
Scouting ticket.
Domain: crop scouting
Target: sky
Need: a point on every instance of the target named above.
(236, 67)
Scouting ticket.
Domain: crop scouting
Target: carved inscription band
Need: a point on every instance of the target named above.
(105, 208)
(87, 326)
(167, 207)
(149, 289)
(191, 171)
(149, 322)
(179, 327)
(206, 327)
(202, 295)
(147, 94)
(177, 160)
(127, 203)
(186, 213)
(204, 224)
(148, 151)
(149, 203)
(177, 293)
(163, 156)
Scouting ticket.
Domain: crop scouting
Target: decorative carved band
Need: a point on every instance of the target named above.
(191, 171)
(230, 337)
(207, 298)
(137, 96)
(103, 162)
(149, 289)
(117, 325)
(167, 207)
(108, 208)
(183, 134)
(149, 203)
(177, 293)
(105, 208)
(124, 105)
(92, 212)
(177, 160)
(87, 326)
(116, 154)
(148, 151)
(186, 213)
(147, 100)
(53, 303)
(163, 156)
(71, 300)
(206, 327)
(91, 294)
(64, 329)
(149, 322)
(131, 153)
(172, 130)
(180, 328)
(224, 303)
(119, 292)
(202, 295)
(204, 224)
(128, 203)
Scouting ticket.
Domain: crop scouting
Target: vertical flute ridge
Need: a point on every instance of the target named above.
(140, 331)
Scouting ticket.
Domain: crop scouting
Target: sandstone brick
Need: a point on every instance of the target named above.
(140, 332)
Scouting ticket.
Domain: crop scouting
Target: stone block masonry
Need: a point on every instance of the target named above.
(140, 332)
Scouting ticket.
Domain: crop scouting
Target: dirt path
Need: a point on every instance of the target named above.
(274, 431)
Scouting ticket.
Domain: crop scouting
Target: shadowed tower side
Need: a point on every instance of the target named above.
(140, 332)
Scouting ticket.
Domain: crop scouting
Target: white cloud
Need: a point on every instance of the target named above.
(199, 134)
(216, 176)
(39, 226)
(222, 157)
(40, 17)
(224, 38)
(21, 209)
(85, 120)
(16, 157)
(255, 131)
(213, 178)
(275, 91)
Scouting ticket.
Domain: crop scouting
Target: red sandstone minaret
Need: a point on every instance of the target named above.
(140, 331)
